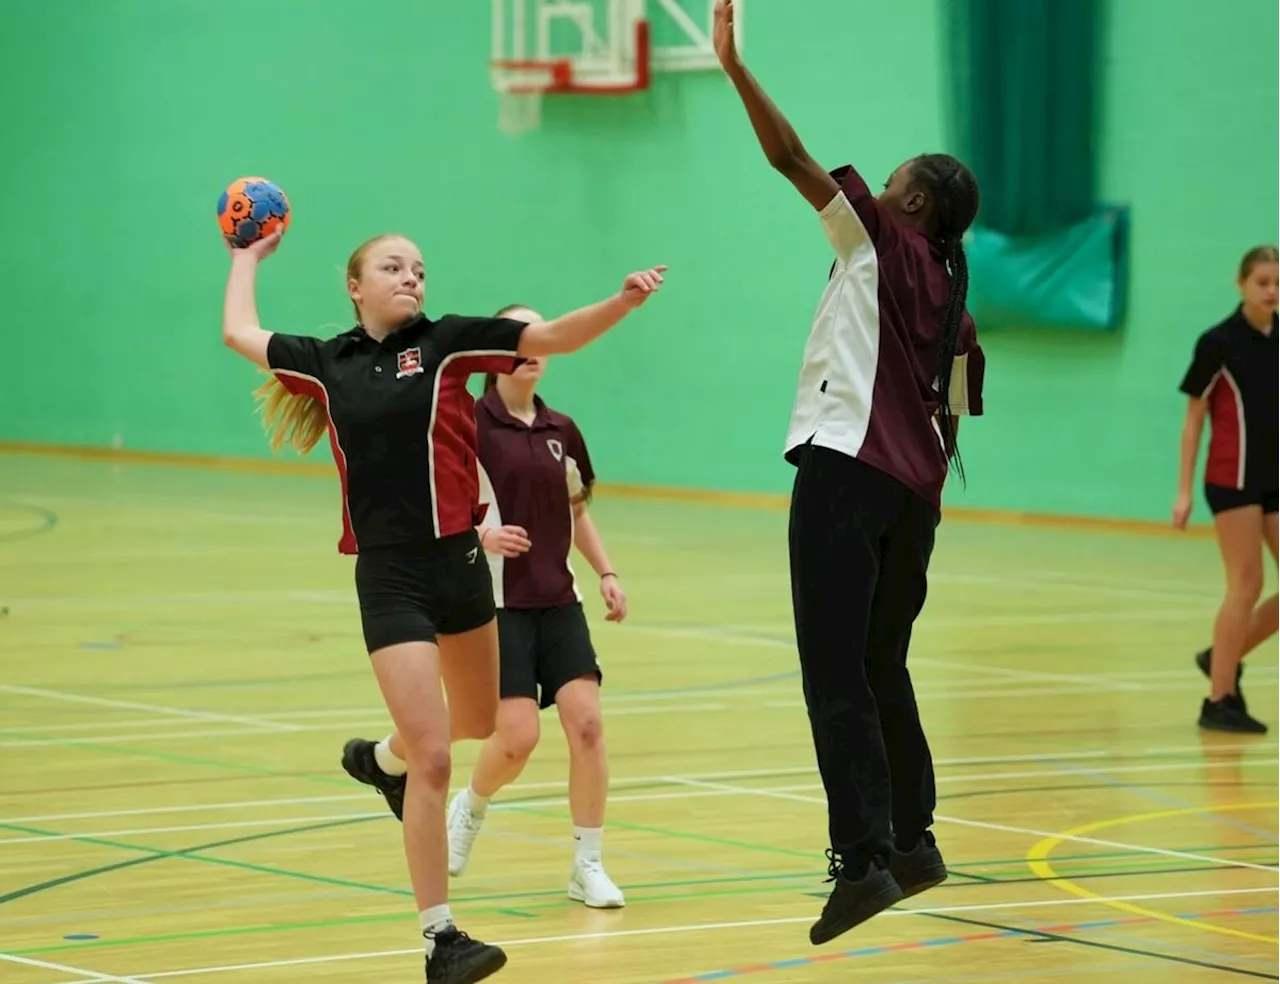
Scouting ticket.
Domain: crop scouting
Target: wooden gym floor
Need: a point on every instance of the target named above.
(180, 664)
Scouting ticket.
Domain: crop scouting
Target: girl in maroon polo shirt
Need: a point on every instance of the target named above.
(535, 480)
(1232, 381)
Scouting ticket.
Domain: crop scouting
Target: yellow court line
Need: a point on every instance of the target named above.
(1038, 861)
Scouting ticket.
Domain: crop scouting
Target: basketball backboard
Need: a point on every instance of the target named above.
(594, 47)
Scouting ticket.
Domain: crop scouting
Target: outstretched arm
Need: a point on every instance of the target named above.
(240, 328)
(572, 331)
(777, 139)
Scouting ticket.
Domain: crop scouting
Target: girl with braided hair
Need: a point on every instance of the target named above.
(891, 363)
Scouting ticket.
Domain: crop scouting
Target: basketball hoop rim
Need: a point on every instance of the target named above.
(560, 75)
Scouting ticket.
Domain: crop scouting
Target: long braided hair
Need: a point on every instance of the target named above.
(953, 194)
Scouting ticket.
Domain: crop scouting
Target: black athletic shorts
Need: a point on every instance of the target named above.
(410, 593)
(1221, 498)
(542, 649)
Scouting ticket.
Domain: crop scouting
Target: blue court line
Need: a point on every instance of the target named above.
(992, 934)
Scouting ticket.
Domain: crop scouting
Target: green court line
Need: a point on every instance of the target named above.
(189, 853)
(47, 520)
(552, 899)
(675, 834)
(466, 906)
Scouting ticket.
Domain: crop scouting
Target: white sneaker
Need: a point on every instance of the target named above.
(462, 825)
(591, 886)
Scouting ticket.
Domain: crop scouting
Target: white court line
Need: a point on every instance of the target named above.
(672, 706)
(1046, 758)
(1065, 690)
(89, 976)
(704, 788)
(153, 708)
(270, 727)
(1004, 828)
(691, 928)
(58, 729)
(982, 669)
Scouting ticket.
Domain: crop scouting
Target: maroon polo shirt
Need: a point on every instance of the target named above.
(526, 473)
(867, 385)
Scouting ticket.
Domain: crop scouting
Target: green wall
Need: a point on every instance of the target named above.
(124, 120)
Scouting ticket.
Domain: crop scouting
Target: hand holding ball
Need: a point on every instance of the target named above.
(250, 210)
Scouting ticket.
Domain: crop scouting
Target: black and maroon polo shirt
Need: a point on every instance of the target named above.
(867, 385)
(530, 475)
(401, 422)
(1235, 370)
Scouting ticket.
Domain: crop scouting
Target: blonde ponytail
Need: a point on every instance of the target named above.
(290, 418)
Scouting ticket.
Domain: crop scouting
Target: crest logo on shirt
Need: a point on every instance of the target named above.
(408, 362)
(556, 448)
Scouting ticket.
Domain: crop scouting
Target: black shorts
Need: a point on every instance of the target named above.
(542, 649)
(410, 593)
(1221, 498)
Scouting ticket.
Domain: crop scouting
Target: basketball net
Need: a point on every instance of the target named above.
(519, 112)
(520, 89)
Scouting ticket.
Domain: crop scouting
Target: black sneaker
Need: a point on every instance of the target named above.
(918, 869)
(458, 959)
(359, 761)
(1204, 660)
(853, 901)
(1229, 714)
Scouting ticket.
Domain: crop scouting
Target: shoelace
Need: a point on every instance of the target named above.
(835, 865)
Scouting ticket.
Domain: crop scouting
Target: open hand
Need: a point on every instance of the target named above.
(726, 44)
(259, 249)
(615, 598)
(506, 541)
(638, 286)
(1181, 510)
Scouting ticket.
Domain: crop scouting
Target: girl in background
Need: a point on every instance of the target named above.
(536, 478)
(1232, 380)
(391, 393)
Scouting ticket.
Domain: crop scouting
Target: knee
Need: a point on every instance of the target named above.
(517, 739)
(1245, 585)
(579, 705)
(584, 728)
(430, 762)
(585, 731)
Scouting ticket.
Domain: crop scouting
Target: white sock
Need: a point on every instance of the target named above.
(476, 803)
(434, 920)
(589, 842)
(387, 760)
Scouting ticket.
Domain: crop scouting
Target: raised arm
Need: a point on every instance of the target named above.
(240, 328)
(781, 145)
(572, 331)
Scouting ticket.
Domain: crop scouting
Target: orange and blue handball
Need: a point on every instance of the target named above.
(252, 209)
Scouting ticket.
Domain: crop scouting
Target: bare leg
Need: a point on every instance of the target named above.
(1239, 540)
(578, 702)
(505, 753)
(409, 677)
